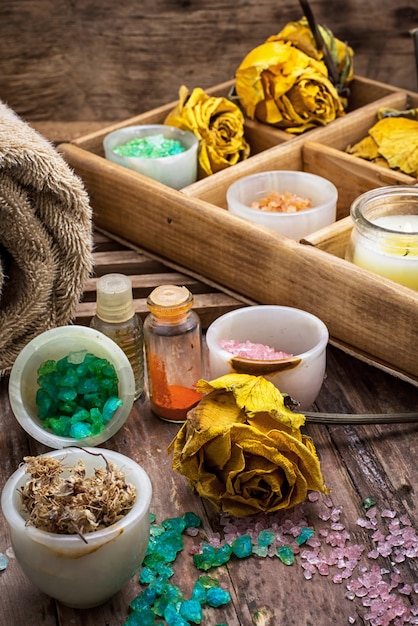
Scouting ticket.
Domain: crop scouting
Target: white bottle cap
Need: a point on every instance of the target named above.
(114, 298)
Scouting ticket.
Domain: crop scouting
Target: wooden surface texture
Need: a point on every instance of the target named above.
(101, 60)
(377, 461)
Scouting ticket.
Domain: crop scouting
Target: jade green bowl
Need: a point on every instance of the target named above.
(56, 344)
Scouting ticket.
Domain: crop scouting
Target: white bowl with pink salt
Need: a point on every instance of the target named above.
(285, 345)
(290, 202)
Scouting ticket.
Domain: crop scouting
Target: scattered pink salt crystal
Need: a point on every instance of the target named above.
(313, 496)
(250, 350)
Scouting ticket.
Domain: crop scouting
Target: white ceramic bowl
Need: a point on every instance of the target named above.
(322, 193)
(176, 171)
(286, 329)
(76, 573)
(55, 344)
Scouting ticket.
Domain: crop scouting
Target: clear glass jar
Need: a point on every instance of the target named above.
(173, 348)
(384, 238)
(116, 318)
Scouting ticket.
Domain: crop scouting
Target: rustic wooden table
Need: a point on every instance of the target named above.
(374, 461)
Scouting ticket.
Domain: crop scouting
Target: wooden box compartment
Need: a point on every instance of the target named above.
(193, 229)
(260, 136)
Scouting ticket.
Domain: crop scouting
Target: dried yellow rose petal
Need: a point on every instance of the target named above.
(393, 140)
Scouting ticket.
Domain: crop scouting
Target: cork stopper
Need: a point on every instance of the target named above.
(170, 300)
(114, 298)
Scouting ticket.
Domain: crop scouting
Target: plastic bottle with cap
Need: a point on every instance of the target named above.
(173, 348)
(116, 318)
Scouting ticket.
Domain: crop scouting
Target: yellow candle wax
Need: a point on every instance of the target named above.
(394, 253)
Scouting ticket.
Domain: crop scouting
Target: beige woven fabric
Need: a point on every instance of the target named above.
(45, 237)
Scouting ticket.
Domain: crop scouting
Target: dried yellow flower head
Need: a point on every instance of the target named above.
(64, 500)
(285, 82)
(217, 122)
(241, 448)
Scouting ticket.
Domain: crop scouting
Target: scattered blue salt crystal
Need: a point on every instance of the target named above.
(242, 546)
(305, 534)
(191, 611)
(192, 520)
(217, 596)
(4, 561)
(265, 537)
(260, 550)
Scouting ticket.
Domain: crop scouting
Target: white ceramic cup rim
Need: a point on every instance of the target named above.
(32, 424)
(332, 194)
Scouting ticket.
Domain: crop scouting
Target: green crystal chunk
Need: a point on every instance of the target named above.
(77, 395)
(192, 520)
(260, 550)
(286, 555)
(177, 524)
(266, 537)
(242, 546)
(147, 575)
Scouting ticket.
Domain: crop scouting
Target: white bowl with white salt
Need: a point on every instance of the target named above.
(285, 345)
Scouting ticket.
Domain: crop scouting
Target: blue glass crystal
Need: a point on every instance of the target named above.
(242, 546)
(110, 407)
(140, 602)
(199, 592)
(177, 524)
(80, 430)
(192, 520)
(147, 575)
(266, 537)
(206, 559)
(4, 561)
(216, 596)
(222, 555)
(191, 610)
(304, 535)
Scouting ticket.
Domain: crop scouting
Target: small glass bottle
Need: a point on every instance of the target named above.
(116, 318)
(173, 348)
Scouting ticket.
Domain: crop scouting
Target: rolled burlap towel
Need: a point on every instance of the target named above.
(45, 237)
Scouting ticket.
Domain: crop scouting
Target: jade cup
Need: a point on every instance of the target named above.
(81, 573)
(294, 331)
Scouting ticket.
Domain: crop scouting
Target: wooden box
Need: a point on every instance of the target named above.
(367, 315)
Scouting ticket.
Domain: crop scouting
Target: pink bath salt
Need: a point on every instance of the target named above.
(249, 350)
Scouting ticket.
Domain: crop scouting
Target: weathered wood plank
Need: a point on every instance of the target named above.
(101, 60)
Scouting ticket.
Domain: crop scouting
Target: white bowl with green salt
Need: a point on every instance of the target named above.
(161, 152)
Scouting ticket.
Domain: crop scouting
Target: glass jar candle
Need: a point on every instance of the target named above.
(384, 238)
(173, 347)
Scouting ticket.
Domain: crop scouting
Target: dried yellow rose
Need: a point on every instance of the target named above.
(284, 81)
(241, 448)
(217, 122)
